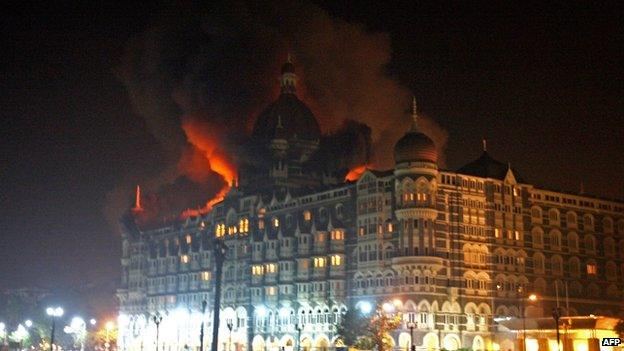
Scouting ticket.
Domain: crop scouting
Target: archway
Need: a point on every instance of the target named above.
(306, 344)
(258, 343)
(404, 341)
(431, 342)
(451, 342)
(321, 344)
(478, 344)
(287, 342)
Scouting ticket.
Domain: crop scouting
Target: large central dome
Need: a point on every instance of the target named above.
(287, 117)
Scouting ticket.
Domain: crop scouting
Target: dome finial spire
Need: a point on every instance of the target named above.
(414, 113)
(288, 81)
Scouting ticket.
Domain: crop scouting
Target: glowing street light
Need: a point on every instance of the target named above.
(365, 307)
(388, 307)
(53, 312)
(92, 321)
(28, 323)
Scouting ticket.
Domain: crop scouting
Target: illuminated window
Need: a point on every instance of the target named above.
(517, 235)
(336, 260)
(232, 230)
(319, 262)
(337, 235)
(271, 268)
(275, 222)
(361, 231)
(390, 227)
(220, 230)
(320, 237)
(307, 215)
(243, 225)
(271, 290)
(261, 224)
(592, 269)
(497, 233)
(184, 259)
(257, 270)
(205, 275)
(189, 239)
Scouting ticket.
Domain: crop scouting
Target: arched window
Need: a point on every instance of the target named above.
(556, 264)
(620, 227)
(571, 219)
(537, 235)
(590, 244)
(572, 242)
(607, 225)
(555, 240)
(553, 216)
(538, 263)
(588, 222)
(609, 247)
(539, 285)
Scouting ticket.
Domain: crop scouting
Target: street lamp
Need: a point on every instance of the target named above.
(298, 328)
(230, 326)
(28, 323)
(157, 318)
(201, 332)
(522, 307)
(78, 328)
(556, 313)
(53, 312)
(411, 326)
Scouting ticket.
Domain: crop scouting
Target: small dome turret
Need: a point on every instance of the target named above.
(415, 146)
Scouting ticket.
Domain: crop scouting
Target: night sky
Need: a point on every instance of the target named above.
(543, 85)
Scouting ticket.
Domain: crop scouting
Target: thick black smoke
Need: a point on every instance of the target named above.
(220, 64)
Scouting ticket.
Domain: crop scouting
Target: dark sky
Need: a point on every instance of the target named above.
(543, 85)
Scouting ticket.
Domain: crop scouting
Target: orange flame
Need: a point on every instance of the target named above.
(355, 173)
(206, 140)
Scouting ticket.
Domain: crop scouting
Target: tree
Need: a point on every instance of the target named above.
(352, 326)
(365, 333)
(381, 325)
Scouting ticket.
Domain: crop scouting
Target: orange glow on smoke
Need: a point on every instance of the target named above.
(206, 139)
(355, 173)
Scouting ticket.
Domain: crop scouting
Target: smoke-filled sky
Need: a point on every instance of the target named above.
(98, 99)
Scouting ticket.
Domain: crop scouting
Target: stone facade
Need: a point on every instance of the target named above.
(453, 250)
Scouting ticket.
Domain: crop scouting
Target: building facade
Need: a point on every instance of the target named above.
(456, 251)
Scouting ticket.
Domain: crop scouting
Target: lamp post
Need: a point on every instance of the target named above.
(556, 313)
(230, 326)
(157, 318)
(220, 250)
(201, 332)
(53, 312)
(522, 308)
(411, 326)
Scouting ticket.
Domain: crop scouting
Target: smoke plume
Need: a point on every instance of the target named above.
(201, 74)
